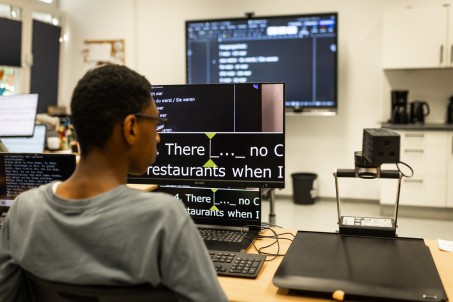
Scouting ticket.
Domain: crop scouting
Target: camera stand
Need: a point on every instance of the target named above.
(368, 226)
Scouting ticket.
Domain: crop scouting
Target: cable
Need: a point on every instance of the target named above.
(266, 225)
(410, 168)
(277, 237)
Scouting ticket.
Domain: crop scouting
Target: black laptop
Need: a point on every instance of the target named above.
(20, 172)
(228, 219)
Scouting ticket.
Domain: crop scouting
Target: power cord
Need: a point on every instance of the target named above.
(276, 236)
(407, 165)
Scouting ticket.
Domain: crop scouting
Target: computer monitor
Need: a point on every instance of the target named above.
(299, 50)
(20, 172)
(220, 135)
(18, 115)
(34, 144)
(219, 206)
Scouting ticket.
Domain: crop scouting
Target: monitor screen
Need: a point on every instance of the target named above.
(219, 206)
(300, 51)
(18, 115)
(34, 144)
(23, 171)
(223, 135)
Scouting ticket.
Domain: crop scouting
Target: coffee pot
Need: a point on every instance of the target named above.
(450, 111)
(418, 111)
(399, 113)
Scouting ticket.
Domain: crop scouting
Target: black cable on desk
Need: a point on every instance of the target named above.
(275, 236)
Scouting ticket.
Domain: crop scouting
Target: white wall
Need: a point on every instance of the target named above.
(154, 35)
(93, 20)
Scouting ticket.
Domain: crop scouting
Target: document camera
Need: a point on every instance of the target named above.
(380, 146)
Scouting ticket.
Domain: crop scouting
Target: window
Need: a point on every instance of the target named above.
(9, 80)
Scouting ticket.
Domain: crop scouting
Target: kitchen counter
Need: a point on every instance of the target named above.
(418, 127)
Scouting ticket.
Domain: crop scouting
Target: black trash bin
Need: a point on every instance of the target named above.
(304, 190)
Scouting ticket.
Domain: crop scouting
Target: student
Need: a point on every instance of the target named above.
(92, 228)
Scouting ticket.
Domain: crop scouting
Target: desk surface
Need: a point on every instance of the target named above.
(262, 289)
(143, 187)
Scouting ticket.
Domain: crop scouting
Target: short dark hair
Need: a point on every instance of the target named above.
(102, 98)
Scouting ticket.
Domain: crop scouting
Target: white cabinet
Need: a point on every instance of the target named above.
(418, 37)
(450, 171)
(426, 153)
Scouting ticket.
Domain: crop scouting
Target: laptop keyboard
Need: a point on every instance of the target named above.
(237, 264)
(221, 235)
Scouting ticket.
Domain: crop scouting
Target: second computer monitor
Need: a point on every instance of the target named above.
(20, 172)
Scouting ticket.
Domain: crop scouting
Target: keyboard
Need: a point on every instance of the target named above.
(221, 235)
(237, 264)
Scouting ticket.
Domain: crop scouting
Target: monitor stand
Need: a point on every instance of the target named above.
(271, 194)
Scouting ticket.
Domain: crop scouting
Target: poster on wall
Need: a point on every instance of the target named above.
(99, 52)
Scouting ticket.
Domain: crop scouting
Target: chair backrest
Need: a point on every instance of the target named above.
(49, 291)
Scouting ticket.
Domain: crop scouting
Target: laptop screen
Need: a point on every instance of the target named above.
(18, 115)
(34, 144)
(20, 172)
(219, 206)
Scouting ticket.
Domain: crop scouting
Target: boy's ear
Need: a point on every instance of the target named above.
(130, 129)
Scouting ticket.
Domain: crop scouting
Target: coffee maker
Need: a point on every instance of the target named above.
(450, 111)
(399, 114)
